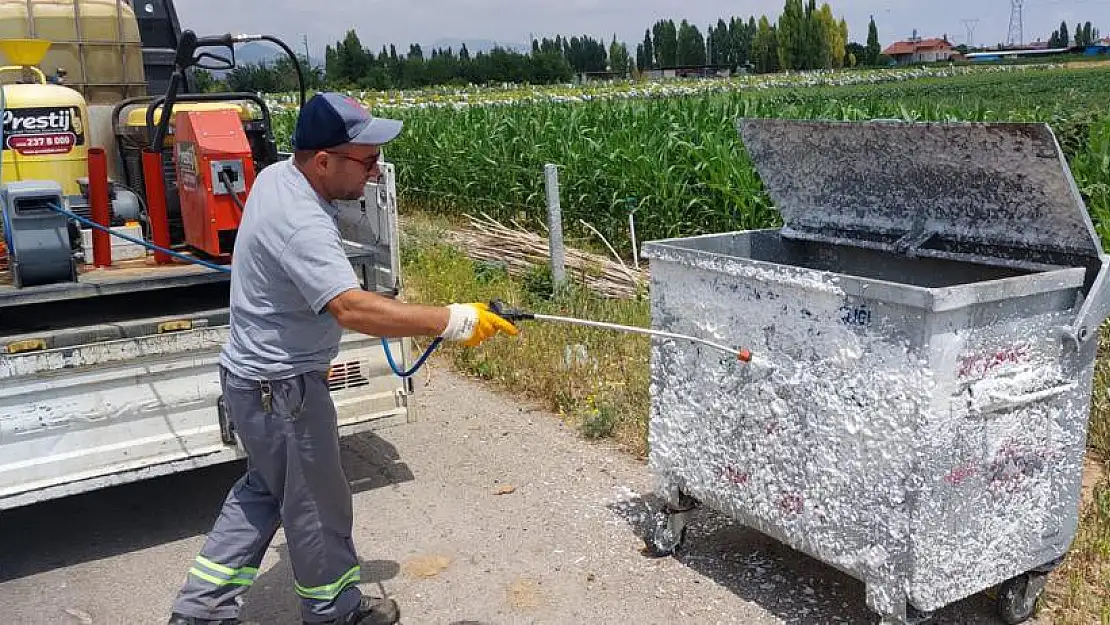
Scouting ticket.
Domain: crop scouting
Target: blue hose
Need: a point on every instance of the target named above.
(419, 362)
(224, 269)
(152, 246)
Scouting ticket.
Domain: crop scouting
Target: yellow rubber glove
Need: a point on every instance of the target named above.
(474, 324)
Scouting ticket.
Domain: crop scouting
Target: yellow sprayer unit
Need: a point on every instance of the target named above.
(46, 129)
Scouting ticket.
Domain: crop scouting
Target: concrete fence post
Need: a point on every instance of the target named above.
(555, 227)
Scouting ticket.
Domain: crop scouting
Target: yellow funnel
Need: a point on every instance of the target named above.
(24, 52)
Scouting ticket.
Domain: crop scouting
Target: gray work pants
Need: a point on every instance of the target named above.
(293, 477)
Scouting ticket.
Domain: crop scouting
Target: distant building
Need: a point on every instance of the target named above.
(1099, 47)
(690, 71)
(584, 77)
(921, 51)
(989, 56)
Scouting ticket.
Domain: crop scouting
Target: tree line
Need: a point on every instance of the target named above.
(804, 36)
(1083, 35)
(349, 64)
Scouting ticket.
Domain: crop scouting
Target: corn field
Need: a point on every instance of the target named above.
(677, 160)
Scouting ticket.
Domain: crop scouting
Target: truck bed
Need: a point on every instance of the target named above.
(124, 276)
(115, 378)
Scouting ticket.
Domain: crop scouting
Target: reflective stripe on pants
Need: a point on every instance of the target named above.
(294, 478)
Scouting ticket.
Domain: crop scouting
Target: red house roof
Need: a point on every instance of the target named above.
(910, 47)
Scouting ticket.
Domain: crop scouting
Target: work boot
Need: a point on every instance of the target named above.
(181, 619)
(370, 611)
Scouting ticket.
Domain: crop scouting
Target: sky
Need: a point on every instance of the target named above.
(379, 22)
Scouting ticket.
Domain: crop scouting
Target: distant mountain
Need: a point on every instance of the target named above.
(263, 51)
(257, 52)
(251, 53)
(474, 45)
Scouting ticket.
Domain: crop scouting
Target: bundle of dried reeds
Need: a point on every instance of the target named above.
(519, 250)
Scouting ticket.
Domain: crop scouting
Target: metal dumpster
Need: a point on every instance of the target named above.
(925, 330)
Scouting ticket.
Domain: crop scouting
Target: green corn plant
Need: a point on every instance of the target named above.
(680, 156)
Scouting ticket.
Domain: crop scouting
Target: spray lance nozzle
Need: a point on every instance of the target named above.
(513, 315)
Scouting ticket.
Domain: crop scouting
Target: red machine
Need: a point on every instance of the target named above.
(215, 171)
(215, 156)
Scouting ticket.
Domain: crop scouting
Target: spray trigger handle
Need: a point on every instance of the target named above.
(512, 315)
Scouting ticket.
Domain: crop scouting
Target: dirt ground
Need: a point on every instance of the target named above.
(483, 512)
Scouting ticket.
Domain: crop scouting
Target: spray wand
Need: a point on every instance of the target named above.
(513, 315)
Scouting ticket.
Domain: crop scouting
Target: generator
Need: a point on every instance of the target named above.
(134, 122)
(215, 169)
(220, 159)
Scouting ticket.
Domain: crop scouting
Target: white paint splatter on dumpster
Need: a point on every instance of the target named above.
(855, 441)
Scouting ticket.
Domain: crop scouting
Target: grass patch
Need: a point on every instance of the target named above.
(596, 380)
(1079, 592)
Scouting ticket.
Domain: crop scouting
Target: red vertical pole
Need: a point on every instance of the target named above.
(99, 207)
(156, 202)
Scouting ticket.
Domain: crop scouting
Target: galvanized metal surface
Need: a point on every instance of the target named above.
(81, 335)
(930, 454)
(1005, 186)
(916, 422)
(126, 406)
(367, 228)
(355, 417)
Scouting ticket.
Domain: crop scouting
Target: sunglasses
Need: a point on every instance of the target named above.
(368, 164)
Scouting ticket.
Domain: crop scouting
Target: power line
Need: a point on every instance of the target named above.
(1017, 24)
(970, 24)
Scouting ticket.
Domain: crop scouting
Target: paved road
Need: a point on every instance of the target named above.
(563, 547)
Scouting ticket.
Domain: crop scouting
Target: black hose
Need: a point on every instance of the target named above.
(158, 132)
(296, 62)
(231, 190)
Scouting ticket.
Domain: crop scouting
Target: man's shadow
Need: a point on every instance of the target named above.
(371, 462)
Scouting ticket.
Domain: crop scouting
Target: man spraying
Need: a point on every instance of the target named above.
(293, 292)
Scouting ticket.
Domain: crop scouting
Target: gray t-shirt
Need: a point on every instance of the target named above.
(288, 263)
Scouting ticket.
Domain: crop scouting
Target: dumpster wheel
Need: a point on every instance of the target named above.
(913, 617)
(667, 534)
(1018, 597)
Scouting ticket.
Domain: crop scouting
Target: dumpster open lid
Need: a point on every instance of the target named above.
(1001, 190)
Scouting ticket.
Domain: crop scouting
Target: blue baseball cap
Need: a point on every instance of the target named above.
(331, 119)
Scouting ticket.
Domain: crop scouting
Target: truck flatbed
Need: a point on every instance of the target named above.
(123, 277)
